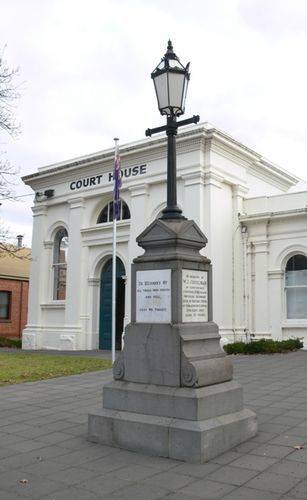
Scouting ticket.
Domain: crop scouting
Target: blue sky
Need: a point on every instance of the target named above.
(84, 70)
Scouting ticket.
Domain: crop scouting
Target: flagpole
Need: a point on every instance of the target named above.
(114, 268)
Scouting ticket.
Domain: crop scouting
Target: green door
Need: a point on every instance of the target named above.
(105, 319)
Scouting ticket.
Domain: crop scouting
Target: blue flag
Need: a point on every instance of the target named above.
(117, 185)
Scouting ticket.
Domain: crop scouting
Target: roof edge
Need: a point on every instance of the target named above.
(206, 129)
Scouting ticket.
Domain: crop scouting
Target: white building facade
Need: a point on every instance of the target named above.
(253, 213)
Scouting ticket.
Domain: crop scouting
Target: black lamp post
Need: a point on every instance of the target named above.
(171, 80)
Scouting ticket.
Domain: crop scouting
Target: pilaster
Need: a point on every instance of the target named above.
(74, 264)
(193, 189)
(138, 208)
(48, 260)
(238, 296)
(31, 336)
(36, 290)
(261, 295)
(276, 294)
(92, 336)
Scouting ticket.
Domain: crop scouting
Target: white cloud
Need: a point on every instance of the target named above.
(86, 72)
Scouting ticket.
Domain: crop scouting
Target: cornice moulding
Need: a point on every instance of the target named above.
(227, 177)
(93, 281)
(39, 210)
(267, 176)
(123, 228)
(212, 178)
(239, 190)
(107, 241)
(270, 215)
(279, 235)
(204, 137)
(48, 243)
(76, 203)
(139, 190)
(145, 151)
(53, 305)
(275, 273)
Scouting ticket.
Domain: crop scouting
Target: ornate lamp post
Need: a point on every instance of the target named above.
(171, 80)
(172, 393)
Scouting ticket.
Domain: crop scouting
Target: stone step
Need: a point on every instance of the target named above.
(187, 440)
(180, 402)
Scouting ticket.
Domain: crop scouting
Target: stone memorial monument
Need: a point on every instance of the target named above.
(172, 393)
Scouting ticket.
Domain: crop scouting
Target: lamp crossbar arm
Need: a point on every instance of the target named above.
(151, 131)
(172, 210)
(188, 121)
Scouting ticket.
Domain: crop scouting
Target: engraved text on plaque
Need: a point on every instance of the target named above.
(194, 296)
(153, 296)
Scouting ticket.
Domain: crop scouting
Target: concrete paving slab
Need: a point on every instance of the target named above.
(299, 491)
(232, 475)
(208, 489)
(244, 493)
(43, 439)
(269, 481)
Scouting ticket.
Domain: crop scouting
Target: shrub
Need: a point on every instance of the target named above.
(5, 342)
(263, 346)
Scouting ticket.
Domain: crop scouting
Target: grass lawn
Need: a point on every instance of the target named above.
(28, 367)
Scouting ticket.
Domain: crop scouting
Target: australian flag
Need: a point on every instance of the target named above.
(117, 185)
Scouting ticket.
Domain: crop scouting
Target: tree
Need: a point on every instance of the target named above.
(8, 95)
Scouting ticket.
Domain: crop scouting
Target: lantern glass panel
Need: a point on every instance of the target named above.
(186, 82)
(173, 63)
(161, 90)
(176, 88)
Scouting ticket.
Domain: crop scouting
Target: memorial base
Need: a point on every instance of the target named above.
(192, 425)
(173, 394)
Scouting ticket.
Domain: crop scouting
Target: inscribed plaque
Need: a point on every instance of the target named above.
(153, 296)
(194, 296)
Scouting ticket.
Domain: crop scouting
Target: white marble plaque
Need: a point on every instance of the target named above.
(153, 296)
(194, 296)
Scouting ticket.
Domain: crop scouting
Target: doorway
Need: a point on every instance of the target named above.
(105, 317)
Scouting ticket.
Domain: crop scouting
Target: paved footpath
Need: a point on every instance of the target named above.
(44, 453)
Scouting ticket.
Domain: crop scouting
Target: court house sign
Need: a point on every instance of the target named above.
(96, 180)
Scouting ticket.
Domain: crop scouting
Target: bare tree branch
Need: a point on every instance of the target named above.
(9, 93)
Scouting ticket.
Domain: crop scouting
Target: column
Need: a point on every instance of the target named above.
(38, 274)
(74, 283)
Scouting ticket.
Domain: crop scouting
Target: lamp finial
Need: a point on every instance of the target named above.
(170, 47)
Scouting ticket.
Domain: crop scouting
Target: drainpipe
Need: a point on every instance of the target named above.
(245, 283)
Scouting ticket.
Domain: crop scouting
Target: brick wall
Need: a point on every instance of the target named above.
(13, 327)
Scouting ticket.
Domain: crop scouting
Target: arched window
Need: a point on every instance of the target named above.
(106, 214)
(60, 264)
(296, 287)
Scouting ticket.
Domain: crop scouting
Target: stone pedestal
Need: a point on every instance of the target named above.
(173, 394)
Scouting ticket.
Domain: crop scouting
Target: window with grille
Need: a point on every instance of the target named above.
(106, 214)
(60, 264)
(296, 287)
